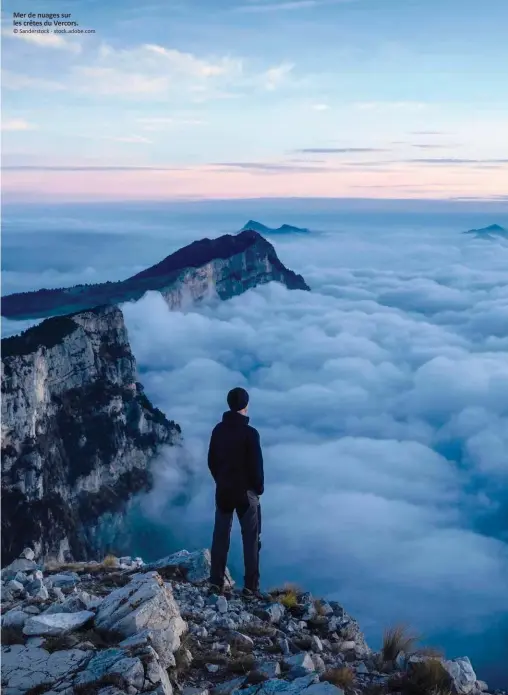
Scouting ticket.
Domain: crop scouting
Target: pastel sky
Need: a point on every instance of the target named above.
(253, 98)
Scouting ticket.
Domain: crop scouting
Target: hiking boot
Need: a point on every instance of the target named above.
(252, 594)
(214, 590)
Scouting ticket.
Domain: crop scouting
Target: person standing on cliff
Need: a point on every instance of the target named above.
(235, 461)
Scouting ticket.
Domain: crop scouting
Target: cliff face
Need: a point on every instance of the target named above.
(222, 267)
(77, 435)
(241, 267)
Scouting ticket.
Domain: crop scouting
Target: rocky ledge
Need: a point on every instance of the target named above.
(78, 435)
(121, 627)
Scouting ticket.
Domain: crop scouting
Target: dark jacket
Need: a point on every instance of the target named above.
(235, 459)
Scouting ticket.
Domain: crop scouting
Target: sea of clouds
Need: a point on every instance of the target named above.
(381, 397)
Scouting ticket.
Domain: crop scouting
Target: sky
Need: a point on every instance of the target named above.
(190, 99)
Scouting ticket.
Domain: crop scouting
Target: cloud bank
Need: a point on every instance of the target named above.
(382, 402)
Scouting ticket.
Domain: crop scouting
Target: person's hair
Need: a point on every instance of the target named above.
(238, 399)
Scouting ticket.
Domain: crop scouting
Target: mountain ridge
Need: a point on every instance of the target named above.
(253, 225)
(490, 232)
(221, 267)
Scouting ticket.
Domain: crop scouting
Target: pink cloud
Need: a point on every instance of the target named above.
(404, 181)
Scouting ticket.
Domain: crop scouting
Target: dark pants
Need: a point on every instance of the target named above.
(248, 511)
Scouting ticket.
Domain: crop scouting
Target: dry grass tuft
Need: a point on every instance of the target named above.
(319, 606)
(427, 677)
(341, 677)
(110, 561)
(289, 599)
(397, 640)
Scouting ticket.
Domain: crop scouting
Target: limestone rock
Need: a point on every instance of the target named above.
(56, 623)
(194, 567)
(275, 686)
(21, 565)
(28, 554)
(113, 662)
(70, 398)
(462, 674)
(14, 619)
(65, 580)
(145, 603)
(25, 667)
(270, 669)
(242, 642)
(229, 687)
(299, 664)
(72, 604)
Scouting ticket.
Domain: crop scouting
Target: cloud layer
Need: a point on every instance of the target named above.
(382, 402)
(381, 397)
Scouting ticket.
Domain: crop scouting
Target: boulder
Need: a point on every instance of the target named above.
(109, 664)
(72, 604)
(28, 554)
(229, 687)
(194, 567)
(299, 665)
(242, 642)
(154, 673)
(14, 619)
(56, 623)
(222, 604)
(145, 603)
(462, 674)
(273, 613)
(21, 565)
(42, 594)
(275, 686)
(270, 669)
(65, 580)
(26, 667)
(15, 587)
(33, 586)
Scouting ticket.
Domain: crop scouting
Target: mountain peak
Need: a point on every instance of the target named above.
(490, 232)
(234, 264)
(253, 225)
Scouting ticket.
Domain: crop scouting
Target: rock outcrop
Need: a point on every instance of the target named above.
(126, 629)
(222, 267)
(78, 434)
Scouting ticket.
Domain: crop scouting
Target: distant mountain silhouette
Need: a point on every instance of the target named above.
(493, 231)
(254, 226)
(222, 267)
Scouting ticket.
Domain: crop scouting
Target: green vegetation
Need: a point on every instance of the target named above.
(46, 334)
